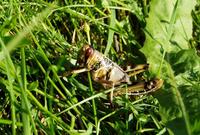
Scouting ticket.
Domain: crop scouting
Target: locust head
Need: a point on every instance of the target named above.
(85, 52)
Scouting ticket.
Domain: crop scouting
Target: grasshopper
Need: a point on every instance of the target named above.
(109, 74)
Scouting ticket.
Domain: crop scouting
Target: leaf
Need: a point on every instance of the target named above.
(184, 60)
(168, 31)
(33, 85)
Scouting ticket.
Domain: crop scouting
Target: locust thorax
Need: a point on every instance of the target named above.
(85, 52)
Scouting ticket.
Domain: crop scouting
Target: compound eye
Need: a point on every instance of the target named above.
(88, 52)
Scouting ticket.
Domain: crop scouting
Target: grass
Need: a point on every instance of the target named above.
(40, 41)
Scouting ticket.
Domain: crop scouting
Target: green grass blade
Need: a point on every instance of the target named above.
(25, 106)
(111, 32)
(9, 71)
(93, 100)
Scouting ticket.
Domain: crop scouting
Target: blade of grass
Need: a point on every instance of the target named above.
(110, 32)
(103, 118)
(126, 106)
(25, 104)
(51, 123)
(87, 30)
(85, 100)
(5, 121)
(9, 69)
(93, 100)
(180, 101)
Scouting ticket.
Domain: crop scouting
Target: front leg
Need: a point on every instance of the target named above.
(77, 71)
(106, 84)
